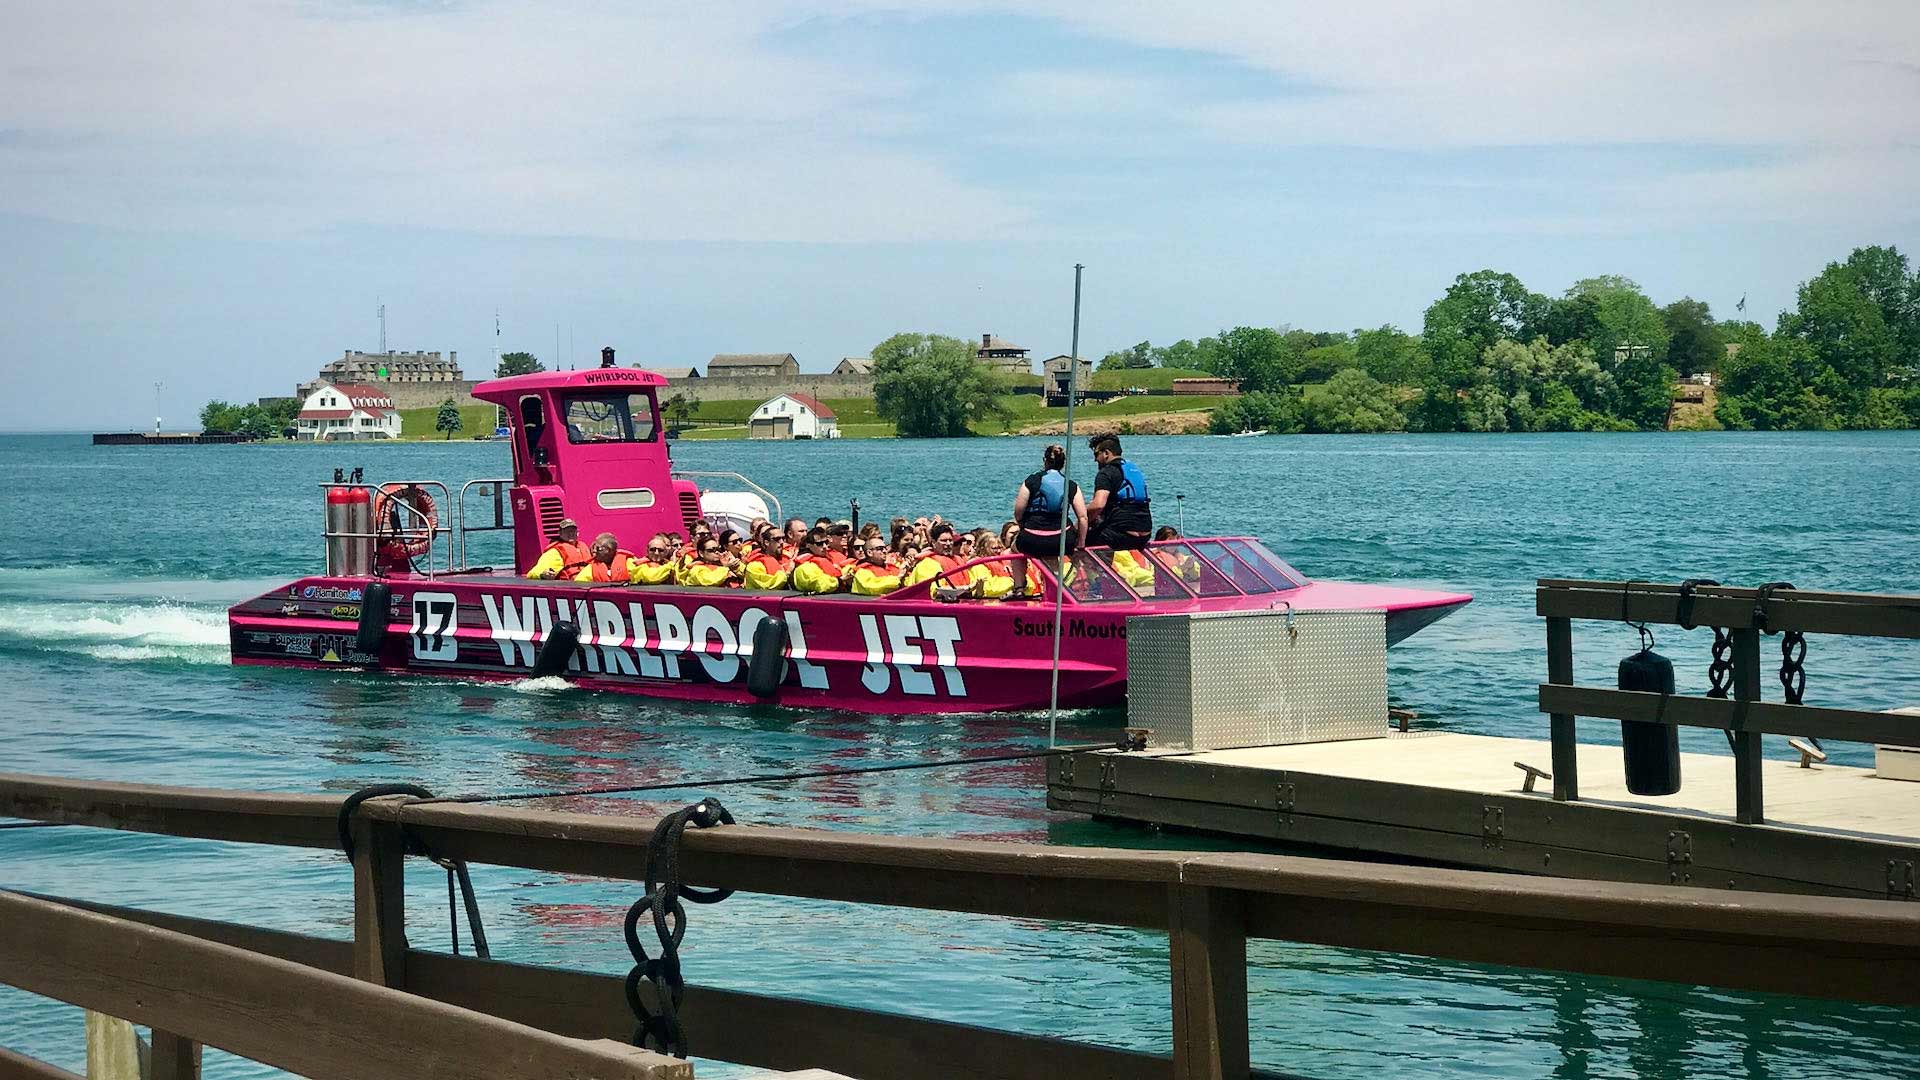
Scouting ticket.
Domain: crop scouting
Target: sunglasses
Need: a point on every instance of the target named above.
(710, 551)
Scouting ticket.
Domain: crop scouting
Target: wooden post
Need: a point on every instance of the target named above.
(1566, 760)
(1748, 805)
(173, 1058)
(1207, 947)
(113, 1048)
(379, 903)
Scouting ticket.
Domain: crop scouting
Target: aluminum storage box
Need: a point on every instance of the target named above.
(1211, 680)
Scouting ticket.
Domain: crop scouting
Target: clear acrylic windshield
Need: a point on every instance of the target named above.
(1237, 570)
(1271, 568)
(1147, 574)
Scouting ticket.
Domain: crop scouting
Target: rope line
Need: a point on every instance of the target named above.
(771, 778)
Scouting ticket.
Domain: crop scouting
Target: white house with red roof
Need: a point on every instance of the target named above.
(342, 411)
(792, 416)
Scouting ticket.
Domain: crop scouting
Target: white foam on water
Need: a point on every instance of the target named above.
(133, 631)
(544, 684)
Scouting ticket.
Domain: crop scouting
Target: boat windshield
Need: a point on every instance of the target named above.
(598, 418)
(1091, 581)
(1272, 568)
(1237, 570)
(1148, 575)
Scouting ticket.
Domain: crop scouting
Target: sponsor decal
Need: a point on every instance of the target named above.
(345, 611)
(290, 609)
(1074, 628)
(436, 621)
(329, 592)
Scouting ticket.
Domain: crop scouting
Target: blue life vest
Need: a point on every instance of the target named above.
(1052, 496)
(1133, 484)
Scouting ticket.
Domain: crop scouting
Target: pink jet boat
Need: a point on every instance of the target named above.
(588, 445)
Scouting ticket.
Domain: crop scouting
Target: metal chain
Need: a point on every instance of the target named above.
(456, 869)
(1720, 672)
(1793, 650)
(661, 1025)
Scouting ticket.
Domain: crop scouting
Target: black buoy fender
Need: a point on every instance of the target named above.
(1652, 750)
(557, 651)
(376, 607)
(768, 665)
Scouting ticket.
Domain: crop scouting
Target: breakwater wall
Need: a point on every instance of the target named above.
(820, 386)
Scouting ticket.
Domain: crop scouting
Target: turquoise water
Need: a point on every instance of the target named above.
(116, 565)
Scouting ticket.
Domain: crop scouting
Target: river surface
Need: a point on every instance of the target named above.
(116, 564)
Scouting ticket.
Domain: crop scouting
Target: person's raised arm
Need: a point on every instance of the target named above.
(1020, 497)
(1080, 514)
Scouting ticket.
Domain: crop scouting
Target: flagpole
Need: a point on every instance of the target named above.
(1066, 469)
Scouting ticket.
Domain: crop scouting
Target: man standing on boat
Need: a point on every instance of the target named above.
(1120, 515)
(565, 557)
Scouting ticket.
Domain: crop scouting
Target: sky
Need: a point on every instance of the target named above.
(218, 195)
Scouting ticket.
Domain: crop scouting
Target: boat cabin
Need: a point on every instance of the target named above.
(588, 445)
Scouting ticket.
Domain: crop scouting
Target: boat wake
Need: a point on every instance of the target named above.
(133, 631)
(542, 684)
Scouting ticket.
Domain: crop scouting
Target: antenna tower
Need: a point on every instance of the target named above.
(383, 329)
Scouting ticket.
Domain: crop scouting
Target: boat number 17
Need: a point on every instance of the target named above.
(435, 618)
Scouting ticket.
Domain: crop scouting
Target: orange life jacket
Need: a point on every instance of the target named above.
(620, 569)
(772, 564)
(834, 562)
(572, 556)
(947, 564)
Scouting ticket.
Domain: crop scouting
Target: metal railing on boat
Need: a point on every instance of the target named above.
(1208, 903)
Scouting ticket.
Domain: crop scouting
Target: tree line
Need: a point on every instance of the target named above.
(1493, 355)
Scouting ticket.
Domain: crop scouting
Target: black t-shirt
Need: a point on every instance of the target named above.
(1045, 520)
(1127, 515)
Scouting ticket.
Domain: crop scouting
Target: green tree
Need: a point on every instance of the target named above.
(517, 363)
(1625, 317)
(1353, 401)
(1694, 342)
(448, 418)
(1760, 386)
(1845, 331)
(931, 386)
(1140, 356)
(1883, 276)
(1257, 356)
(1276, 412)
(1478, 309)
(220, 416)
(1319, 363)
(1390, 356)
(679, 409)
(256, 422)
(1571, 318)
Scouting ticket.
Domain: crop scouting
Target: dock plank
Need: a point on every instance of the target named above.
(1459, 799)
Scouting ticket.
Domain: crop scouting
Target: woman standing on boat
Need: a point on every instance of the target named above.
(1040, 506)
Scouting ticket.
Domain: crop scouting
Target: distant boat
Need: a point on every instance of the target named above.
(1242, 434)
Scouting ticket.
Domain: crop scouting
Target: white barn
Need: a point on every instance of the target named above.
(792, 416)
(338, 412)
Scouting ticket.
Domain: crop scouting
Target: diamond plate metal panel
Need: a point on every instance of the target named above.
(1257, 678)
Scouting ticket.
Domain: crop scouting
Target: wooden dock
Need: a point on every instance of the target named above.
(1739, 822)
(1458, 800)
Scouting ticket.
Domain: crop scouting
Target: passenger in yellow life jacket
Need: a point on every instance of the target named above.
(876, 574)
(658, 567)
(819, 569)
(765, 569)
(708, 571)
(565, 557)
(996, 579)
(1136, 569)
(942, 567)
(610, 563)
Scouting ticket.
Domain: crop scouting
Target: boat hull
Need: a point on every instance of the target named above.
(872, 655)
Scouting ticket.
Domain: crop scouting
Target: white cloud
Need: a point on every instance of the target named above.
(586, 118)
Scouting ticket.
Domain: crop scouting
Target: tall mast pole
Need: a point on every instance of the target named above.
(1060, 586)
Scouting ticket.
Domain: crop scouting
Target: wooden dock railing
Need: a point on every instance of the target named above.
(1209, 905)
(1743, 713)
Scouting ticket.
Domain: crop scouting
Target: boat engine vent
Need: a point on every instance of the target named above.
(689, 509)
(551, 512)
